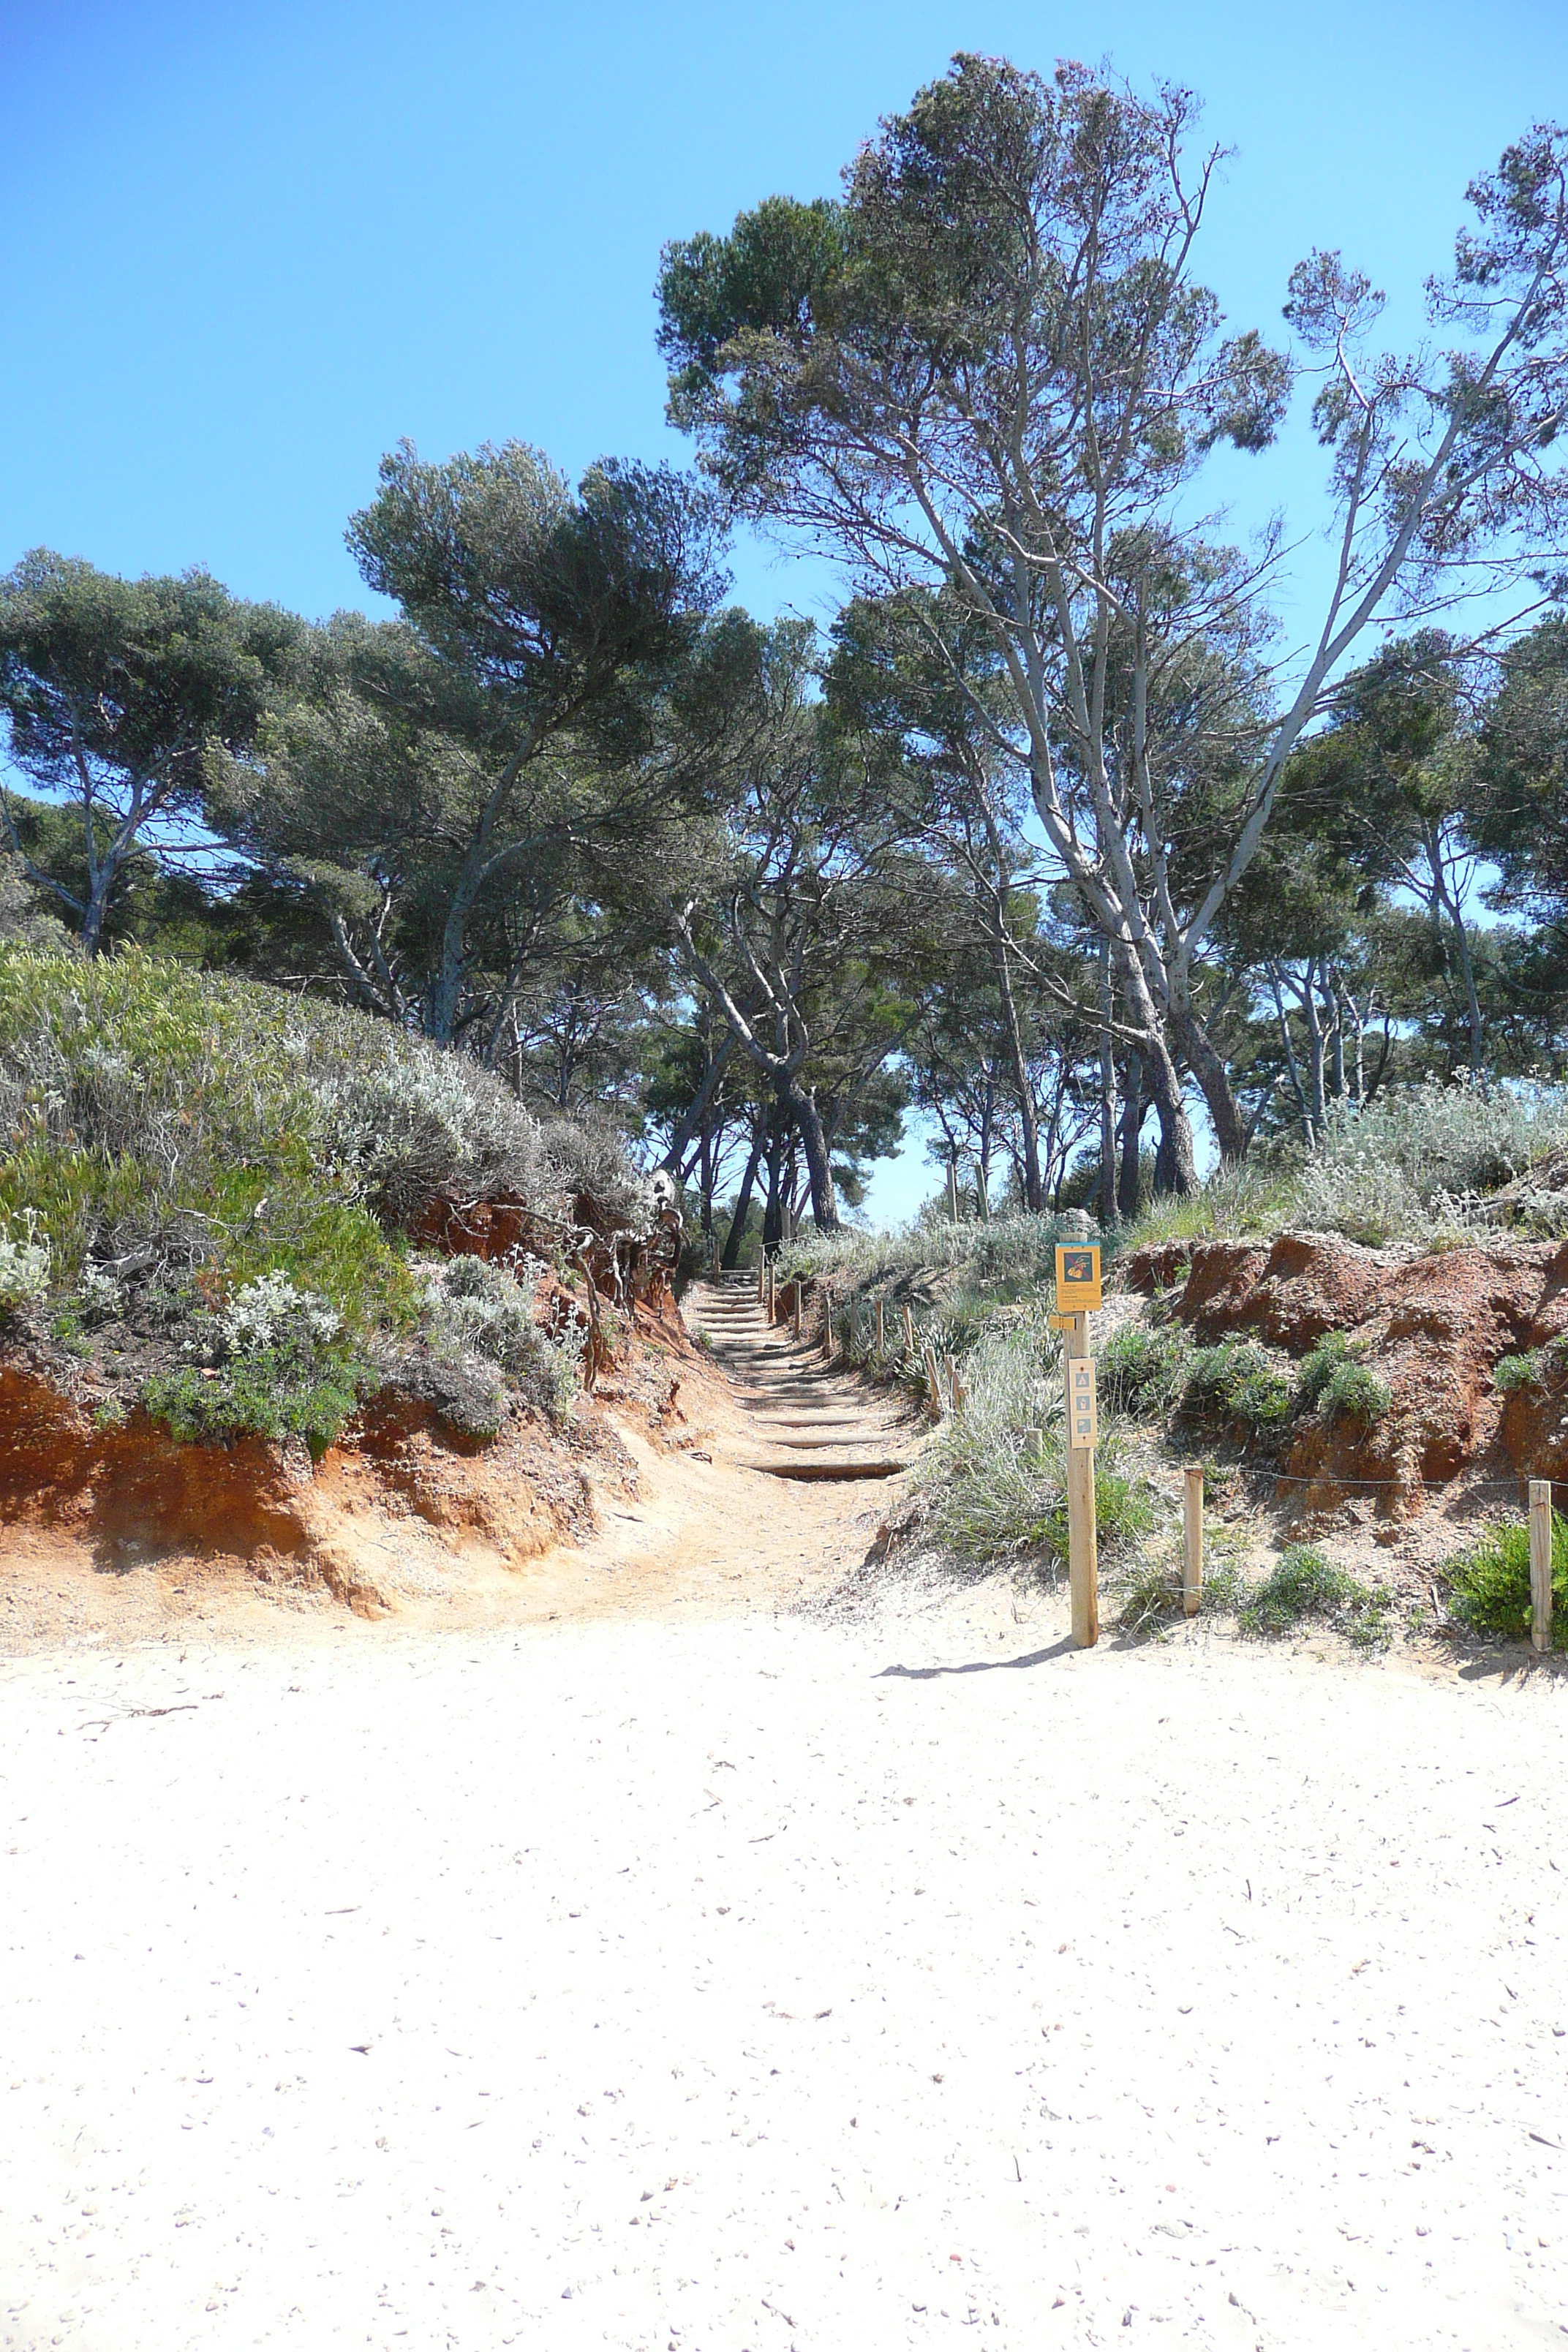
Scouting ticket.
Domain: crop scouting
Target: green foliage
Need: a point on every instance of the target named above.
(1142, 1367)
(166, 1124)
(1355, 1390)
(1235, 1381)
(290, 1390)
(477, 1309)
(1317, 1367)
(1490, 1583)
(1303, 1585)
(1518, 1371)
(1331, 1381)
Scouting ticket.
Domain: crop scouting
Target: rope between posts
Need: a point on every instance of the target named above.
(1328, 1478)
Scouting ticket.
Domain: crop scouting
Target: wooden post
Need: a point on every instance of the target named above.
(881, 1331)
(768, 1294)
(1033, 1441)
(933, 1378)
(828, 1324)
(762, 1277)
(1540, 1563)
(1083, 1561)
(956, 1389)
(795, 1315)
(953, 1189)
(1192, 1539)
(909, 1330)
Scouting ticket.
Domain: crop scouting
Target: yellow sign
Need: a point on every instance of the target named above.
(1082, 1401)
(1078, 1279)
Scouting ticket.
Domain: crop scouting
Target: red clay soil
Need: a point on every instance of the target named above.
(1431, 1328)
(130, 1492)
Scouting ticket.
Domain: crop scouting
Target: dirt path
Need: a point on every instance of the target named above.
(686, 1973)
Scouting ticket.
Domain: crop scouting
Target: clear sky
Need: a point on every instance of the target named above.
(248, 248)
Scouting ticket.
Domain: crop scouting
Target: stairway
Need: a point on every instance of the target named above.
(810, 1421)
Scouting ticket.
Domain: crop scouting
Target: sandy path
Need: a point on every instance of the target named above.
(736, 1983)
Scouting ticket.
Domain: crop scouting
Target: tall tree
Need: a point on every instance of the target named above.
(115, 691)
(558, 687)
(990, 371)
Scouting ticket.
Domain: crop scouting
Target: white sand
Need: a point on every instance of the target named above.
(723, 1985)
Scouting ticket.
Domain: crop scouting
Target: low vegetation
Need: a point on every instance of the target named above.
(1489, 1585)
(217, 1193)
(1304, 1587)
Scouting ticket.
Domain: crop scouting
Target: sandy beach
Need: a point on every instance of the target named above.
(751, 1981)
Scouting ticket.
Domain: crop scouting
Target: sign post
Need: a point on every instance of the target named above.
(1077, 1296)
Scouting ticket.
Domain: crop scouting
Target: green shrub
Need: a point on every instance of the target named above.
(476, 1309)
(290, 1390)
(1355, 1392)
(1317, 1367)
(1490, 1583)
(1142, 1369)
(1235, 1382)
(1518, 1371)
(1302, 1585)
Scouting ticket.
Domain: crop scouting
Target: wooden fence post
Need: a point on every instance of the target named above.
(881, 1331)
(828, 1324)
(953, 1189)
(1540, 1563)
(1083, 1554)
(795, 1314)
(933, 1378)
(909, 1330)
(1192, 1539)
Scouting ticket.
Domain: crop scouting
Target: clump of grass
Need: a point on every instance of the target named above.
(1490, 1584)
(1256, 1197)
(1304, 1586)
(1152, 1595)
(1235, 1382)
(989, 1498)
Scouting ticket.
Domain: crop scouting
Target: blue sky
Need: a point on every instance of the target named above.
(248, 248)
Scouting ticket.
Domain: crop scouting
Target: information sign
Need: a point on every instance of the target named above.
(1082, 1401)
(1078, 1279)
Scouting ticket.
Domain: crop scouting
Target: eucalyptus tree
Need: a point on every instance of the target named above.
(990, 378)
(115, 692)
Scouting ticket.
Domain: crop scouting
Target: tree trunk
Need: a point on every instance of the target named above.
(1197, 1049)
(696, 1111)
(773, 1212)
(736, 1233)
(1106, 1094)
(1176, 1169)
(1128, 1183)
(1034, 1191)
(819, 1167)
